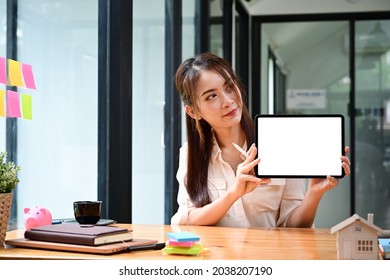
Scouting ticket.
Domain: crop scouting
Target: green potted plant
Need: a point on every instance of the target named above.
(8, 181)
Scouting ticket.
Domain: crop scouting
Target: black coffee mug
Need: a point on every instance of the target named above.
(87, 212)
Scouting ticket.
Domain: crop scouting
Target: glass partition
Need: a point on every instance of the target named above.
(3, 49)
(57, 149)
(308, 73)
(188, 48)
(372, 120)
(148, 111)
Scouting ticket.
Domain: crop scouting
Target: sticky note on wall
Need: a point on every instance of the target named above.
(3, 71)
(2, 103)
(13, 104)
(28, 76)
(15, 73)
(27, 106)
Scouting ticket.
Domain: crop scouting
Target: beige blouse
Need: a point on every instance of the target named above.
(267, 206)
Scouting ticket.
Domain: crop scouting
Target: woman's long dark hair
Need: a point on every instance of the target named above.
(199, 132)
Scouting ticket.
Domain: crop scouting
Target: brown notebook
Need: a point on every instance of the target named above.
(79, 234)
(101, 250)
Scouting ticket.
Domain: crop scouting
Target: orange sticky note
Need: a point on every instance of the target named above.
(13, 105)
(28, 76)
(15, 73)
(27, 106)
(2, 103)
(3, 71)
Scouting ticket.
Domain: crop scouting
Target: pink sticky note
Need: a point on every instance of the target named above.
(3, 71)
(187, 244)
(28, 76)
(13, 105)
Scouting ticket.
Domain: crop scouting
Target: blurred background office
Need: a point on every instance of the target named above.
(107, 123)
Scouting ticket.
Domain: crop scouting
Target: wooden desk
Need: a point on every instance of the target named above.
(223, 243)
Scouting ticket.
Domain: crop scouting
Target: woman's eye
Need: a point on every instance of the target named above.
(211, 96)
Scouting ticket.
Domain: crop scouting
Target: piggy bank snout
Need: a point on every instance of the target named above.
(30, 221)
(38, 216)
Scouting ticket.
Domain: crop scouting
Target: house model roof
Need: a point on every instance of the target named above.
(351, 220)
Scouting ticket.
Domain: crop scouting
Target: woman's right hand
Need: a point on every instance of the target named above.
(246, 180)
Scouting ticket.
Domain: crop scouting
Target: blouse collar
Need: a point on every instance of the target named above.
(216, 150)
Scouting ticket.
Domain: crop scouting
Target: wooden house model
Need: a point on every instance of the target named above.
(357, 239)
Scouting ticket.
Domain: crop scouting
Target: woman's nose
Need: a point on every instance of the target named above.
(227, 100)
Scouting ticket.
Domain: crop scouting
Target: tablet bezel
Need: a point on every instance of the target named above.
(304, 175)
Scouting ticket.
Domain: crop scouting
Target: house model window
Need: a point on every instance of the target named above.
(358, 228)
(365, 246)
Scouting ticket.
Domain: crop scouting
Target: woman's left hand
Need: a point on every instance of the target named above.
(320, 186)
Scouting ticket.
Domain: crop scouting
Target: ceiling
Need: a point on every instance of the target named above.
(274, 7)
(315, 42)
(319, 51)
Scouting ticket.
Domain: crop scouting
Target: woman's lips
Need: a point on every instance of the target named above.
(231, 113)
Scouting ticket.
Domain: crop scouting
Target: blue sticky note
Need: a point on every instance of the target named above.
(183, 236)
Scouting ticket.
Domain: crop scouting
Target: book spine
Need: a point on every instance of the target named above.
(59, 238)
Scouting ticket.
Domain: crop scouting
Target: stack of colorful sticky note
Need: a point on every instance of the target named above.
(183, 243)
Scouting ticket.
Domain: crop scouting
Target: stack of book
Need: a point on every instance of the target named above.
(79, 234)
(183, 243)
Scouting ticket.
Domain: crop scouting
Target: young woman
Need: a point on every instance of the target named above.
(217, 185)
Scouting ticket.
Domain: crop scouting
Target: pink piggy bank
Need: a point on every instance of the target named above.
(37, 216)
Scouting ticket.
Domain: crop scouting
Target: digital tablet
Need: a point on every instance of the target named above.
(299, 146)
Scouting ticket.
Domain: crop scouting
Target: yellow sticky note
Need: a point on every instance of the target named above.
(15, 73)
(27, 106)
(2, 103)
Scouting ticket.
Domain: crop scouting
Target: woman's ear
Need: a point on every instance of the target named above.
(190, 111)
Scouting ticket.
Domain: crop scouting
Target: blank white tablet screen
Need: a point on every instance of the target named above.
(299, 146)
